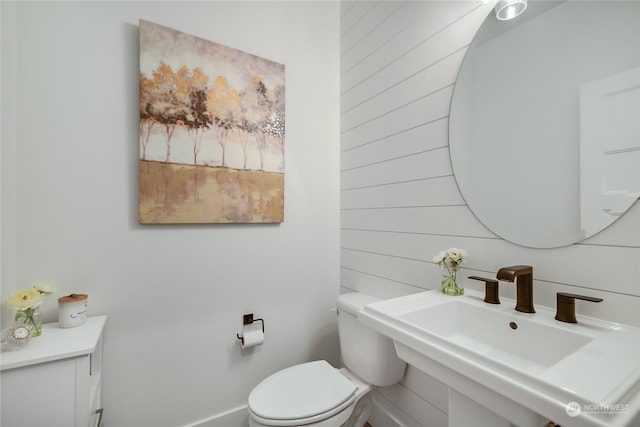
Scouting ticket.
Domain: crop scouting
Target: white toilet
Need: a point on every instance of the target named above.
(315, 394)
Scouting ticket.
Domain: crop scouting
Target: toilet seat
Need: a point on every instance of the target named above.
(301, 394)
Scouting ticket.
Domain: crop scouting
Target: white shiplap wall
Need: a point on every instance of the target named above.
(399, 201)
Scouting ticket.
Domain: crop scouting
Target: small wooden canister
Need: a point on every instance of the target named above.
(72, 310)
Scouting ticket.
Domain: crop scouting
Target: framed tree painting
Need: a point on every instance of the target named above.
(212, 127)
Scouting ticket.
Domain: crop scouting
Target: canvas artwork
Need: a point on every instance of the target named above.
(212, 127)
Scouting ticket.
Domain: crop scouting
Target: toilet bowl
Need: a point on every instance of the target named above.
(315, 394)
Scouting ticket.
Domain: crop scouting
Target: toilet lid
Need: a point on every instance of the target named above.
(301, 391)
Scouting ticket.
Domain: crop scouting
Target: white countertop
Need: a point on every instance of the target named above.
(56, 343)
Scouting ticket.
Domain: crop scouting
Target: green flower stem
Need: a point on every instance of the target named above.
(27, 314)
(450, 280)
(450, 286)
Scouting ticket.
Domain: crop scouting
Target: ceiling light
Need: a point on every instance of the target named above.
(509, 9)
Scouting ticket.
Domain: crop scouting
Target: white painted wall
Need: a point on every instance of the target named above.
(399, 201)
(175, 295)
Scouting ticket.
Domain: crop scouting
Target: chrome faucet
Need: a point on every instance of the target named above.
(523, 276)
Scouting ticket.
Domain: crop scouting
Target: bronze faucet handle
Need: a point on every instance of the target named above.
(566, 306)
(490, 289)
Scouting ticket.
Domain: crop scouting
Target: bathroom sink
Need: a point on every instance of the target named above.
(498, 335)
(533, 359)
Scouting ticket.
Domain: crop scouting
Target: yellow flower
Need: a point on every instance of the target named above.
(44, 287)
(24, 299)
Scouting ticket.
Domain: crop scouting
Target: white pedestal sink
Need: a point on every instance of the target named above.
(527, 368)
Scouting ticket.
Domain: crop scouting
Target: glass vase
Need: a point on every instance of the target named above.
(450, 286)
(32, 317)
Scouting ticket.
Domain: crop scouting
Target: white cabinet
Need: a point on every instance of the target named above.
(56, 380)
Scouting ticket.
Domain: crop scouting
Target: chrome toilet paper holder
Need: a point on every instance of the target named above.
(247, 319)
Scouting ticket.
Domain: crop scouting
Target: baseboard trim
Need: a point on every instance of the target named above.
(233, 417)
(386, 414)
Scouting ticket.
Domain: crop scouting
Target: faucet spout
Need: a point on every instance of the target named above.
(523, 276)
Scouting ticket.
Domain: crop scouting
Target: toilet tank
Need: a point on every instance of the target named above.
(365, 352)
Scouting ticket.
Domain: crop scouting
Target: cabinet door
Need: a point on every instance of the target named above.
(40, 395)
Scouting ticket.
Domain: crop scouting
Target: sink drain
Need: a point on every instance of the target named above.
(513, 325)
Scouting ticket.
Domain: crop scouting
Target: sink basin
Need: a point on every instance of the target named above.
(494, 334)
(530, 358)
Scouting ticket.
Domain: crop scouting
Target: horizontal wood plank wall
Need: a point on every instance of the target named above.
(400, 204)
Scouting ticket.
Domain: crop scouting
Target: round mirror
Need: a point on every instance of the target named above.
(544, 128)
